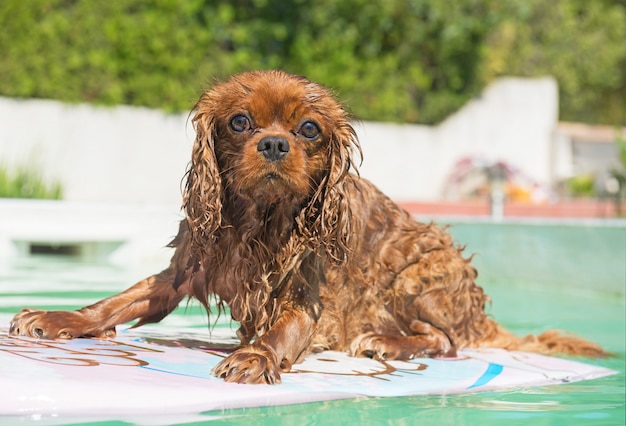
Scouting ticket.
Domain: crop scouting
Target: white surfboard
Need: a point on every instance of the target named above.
(150, 370)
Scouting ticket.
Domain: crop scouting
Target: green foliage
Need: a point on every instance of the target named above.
(391, 60)
(26, 183)
(579, 42)
(619, 174)
(581, 186)
(621, 148)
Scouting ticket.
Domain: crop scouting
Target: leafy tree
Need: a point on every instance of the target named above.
(581, 43)
(391, 60)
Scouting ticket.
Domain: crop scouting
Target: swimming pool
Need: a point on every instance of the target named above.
(540, 275)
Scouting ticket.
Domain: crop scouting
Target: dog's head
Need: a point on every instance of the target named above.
(269, 138)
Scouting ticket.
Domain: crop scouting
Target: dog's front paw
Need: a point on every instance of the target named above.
(54, 325)
(249, 365)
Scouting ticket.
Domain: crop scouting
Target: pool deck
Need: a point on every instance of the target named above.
(130, 234)
(118, 233)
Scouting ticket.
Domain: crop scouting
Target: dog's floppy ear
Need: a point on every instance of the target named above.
(202, 199)
(332, 223)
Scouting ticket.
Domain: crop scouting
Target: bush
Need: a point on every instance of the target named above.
(581, 186)
(24, 183)
(390, 60)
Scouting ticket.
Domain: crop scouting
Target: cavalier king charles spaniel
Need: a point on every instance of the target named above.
(305, 254)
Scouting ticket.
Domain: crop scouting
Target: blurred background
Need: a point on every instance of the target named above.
(440, 70)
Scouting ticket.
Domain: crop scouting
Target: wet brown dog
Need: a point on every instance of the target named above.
(306, 255)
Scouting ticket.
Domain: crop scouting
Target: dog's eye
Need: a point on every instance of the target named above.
(239, 123)
(309, 130)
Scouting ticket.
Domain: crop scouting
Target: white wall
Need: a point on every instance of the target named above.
(122, 154)
(514, 120)
(137, 155)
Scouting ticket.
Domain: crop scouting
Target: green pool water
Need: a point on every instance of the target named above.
(540, 276)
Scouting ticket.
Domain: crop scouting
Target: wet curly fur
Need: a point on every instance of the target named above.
(307, 255)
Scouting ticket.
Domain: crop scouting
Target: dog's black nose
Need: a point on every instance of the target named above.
(273, 147)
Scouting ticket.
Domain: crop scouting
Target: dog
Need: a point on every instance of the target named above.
(306, 255)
